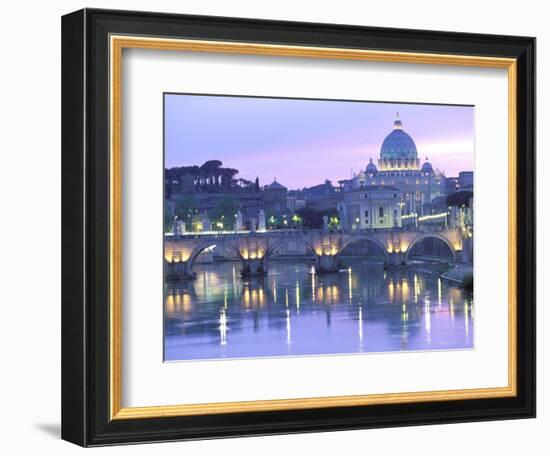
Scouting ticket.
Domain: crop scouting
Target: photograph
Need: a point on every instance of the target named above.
(268, 225)
(302, 227)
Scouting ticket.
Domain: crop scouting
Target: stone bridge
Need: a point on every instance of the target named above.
(255, 248)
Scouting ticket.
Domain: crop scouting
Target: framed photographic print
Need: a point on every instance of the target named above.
(278, 227)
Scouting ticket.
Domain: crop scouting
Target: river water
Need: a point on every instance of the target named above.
(294, 311)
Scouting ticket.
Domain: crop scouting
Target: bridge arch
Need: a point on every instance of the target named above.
(424, 236)
(369, 239)
(201, 247)
(284, 241)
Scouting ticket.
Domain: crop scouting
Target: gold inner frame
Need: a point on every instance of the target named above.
(117, 44)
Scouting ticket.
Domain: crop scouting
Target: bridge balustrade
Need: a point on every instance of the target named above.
(325, 244)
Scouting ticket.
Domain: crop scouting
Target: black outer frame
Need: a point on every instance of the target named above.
(85, 227)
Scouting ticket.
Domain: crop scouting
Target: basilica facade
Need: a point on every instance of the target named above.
(403, 187)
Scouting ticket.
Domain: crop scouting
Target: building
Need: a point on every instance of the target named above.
(198, 207)
(374, 206)
(407, 192)
(295, 201)
(275, 198)
(465, 180)
(323, 197)
(399, 167)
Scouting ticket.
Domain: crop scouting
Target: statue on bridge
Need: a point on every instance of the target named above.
(261, 220)
(239, 221)
(179, 227)
(325, 222)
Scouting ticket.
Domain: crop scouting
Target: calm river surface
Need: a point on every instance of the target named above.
(294, 312)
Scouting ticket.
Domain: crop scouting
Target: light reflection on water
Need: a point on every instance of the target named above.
(294, 311)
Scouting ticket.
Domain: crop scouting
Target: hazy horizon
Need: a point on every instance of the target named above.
(326, 139)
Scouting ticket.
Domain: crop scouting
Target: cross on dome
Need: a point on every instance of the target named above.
(397, 125)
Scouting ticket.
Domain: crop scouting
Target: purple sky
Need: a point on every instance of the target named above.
(304, 142)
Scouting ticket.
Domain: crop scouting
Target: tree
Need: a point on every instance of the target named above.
(334, 221)
(257, 185)
(168, 220)
(313, 219)
(227, 176)
(297, 221)
(211, 166)
(468, 282)
(177, 172)
(210, 171)
(272, 219)
(185, 209)
(243, 183)
(224, 213)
